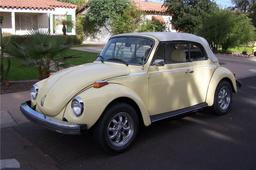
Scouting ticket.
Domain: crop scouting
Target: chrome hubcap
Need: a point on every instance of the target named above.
(120, 129)
(224, 98)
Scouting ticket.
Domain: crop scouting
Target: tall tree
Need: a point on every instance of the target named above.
(248, 7)
(128, 21)
(115, 15)
(252, 14)
(227, 29)
(244, 5)
(188, 14)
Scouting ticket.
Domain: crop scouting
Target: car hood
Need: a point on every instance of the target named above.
(56, 91)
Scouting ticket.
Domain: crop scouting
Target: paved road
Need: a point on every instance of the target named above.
(198, 141)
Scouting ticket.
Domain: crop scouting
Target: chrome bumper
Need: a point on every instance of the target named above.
(49, 122)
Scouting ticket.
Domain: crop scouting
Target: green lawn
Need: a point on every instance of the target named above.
(19, 71)
(240, 49)
(79, 57)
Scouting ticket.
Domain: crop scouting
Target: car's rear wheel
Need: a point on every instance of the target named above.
(222, 98)
(117, 128)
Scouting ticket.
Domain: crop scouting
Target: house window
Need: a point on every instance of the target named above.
(58, 23)
(69, 26)
(25, 21)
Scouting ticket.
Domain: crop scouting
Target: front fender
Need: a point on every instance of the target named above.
(97, 99)
(219, 74)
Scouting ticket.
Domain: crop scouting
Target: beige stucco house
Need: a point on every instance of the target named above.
(23, 16)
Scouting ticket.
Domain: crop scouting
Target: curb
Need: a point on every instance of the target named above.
(23, 81)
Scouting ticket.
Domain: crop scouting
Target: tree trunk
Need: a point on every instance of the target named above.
(6, 83)
(43, 73)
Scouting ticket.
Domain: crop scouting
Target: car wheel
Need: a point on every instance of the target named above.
(117, 128)
(222, 98)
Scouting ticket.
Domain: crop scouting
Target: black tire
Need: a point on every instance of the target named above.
(102, 132)
(218, 107)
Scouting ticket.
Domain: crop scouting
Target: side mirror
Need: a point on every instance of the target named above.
(158, 62)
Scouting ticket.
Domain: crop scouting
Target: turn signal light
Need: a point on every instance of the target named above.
(99, 84)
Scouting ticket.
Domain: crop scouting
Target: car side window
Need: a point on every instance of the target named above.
(176, 52)
(197, 52)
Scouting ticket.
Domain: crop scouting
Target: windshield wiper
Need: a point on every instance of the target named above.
(101, 58)
(118, 60)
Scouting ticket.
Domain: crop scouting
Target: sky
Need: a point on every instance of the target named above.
(221, 3)
(224, 3)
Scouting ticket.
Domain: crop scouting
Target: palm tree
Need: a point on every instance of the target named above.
(39, 50)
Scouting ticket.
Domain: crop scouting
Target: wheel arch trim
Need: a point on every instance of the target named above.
(97, 101)
(219, 75)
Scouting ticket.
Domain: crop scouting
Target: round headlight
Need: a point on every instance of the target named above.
(77, 106)
(34, 92)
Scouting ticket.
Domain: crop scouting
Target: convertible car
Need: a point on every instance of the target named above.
(137, 79)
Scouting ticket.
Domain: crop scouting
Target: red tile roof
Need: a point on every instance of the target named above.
(34, 4)
(146, 6)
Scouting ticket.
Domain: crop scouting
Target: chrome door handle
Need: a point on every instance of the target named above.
(189, 71)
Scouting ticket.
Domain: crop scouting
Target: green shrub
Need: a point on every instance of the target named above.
(187, 15)
(69, 39)
(108, 14)
(39, 50)
(79, 28)
(128, 21)
(152, 26)
(225, 29)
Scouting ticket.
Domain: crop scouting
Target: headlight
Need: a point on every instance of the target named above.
(77, 106)
(34, 92)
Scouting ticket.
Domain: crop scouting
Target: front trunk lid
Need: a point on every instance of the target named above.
(60, 88)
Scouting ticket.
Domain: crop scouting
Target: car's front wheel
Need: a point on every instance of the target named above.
(222, 98)
(117, 128)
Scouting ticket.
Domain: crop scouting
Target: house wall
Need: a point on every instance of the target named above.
(101, 37)
(40, 17)
(27, 22)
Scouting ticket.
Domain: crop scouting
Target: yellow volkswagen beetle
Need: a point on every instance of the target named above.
(138, 79)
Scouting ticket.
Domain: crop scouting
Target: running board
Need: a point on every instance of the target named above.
(167, 115)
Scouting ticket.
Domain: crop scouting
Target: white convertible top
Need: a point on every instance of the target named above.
(174, 36)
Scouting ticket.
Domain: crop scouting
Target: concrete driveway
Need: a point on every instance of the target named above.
(198, 141)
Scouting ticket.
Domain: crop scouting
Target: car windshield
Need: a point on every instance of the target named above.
(127, 50)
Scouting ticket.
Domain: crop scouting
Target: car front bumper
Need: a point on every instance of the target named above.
(49, 122)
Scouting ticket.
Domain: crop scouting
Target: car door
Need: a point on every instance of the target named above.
(169, 84)
(203, 70)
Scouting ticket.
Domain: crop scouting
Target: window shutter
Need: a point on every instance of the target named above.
(54, 23)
